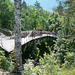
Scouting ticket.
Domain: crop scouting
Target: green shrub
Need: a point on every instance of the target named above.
(69, 60)
(28, 66)
(5, 63)
(47, 66)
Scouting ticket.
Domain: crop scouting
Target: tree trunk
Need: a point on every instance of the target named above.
(17, 29)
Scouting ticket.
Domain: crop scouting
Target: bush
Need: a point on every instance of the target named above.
(28, 66)
(47, 66)
(69, 60)
(5, 63)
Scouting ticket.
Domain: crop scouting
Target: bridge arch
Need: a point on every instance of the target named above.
(37, 47)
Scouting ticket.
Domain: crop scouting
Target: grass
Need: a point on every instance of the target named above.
(67, 71)
(63, 71)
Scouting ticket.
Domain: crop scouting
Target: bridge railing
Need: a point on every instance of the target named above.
(31, 33)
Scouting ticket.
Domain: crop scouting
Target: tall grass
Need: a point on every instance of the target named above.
(67, 71)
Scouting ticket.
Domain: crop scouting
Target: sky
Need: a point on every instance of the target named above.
(46, 4)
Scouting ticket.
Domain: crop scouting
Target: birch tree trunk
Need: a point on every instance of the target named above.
(17, 29)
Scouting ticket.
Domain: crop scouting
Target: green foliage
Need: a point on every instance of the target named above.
(62, 47)
(5, 63)
(31, 17)
(6, 14)
(29, 66)
(47, 66)
(65, 43)
(69, 60)
(59, 8)
(24, 5)
(55, 21)
(37, 5)
(67, 71)
(38, 18)
(69, 8)
(37, 48)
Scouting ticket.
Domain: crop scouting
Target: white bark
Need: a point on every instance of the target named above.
(17, 29)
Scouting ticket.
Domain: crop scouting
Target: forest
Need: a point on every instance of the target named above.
(44, 56)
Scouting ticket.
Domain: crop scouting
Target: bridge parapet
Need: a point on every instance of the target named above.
(32, 33)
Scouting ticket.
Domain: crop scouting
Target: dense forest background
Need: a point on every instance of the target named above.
(51, 54)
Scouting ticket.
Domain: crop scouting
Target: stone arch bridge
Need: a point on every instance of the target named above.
(8, 42)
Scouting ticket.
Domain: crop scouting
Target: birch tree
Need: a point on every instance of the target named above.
(17, 29)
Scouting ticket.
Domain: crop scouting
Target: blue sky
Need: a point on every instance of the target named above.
(46, 4)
